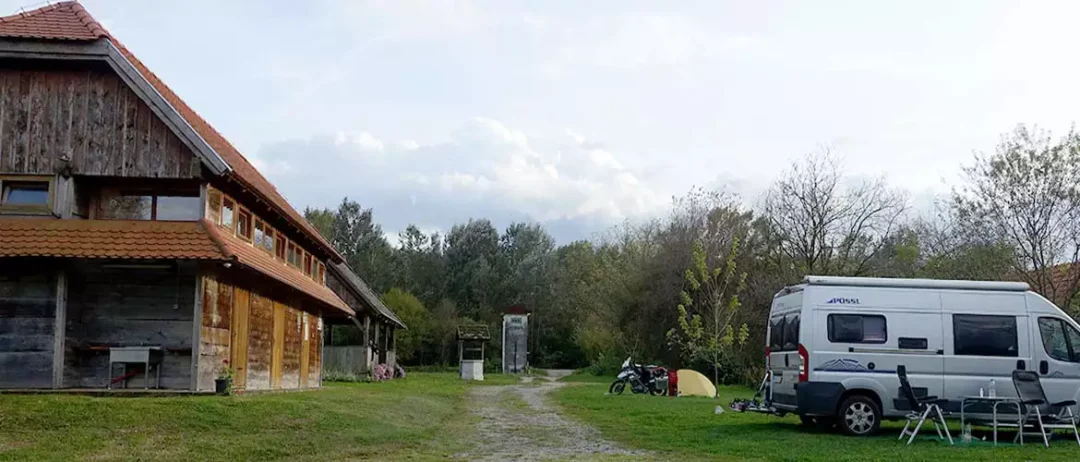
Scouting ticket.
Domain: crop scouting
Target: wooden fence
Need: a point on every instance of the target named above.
(347, 359)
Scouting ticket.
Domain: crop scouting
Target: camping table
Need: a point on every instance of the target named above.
(145, 355)
(995, 402)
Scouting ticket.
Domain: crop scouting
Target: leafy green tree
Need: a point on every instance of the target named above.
(706, 331)
(472, 272)
(1027, 195)
(323, 220)
(420, 265)
(410, 342)
(360, 240)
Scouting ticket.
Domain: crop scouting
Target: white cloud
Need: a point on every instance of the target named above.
(485, 169)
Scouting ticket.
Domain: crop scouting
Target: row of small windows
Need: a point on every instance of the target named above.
(224, 211)
(973, 335)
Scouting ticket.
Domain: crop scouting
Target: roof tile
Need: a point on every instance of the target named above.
(107, 239)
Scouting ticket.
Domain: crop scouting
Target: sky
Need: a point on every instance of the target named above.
(582, 115)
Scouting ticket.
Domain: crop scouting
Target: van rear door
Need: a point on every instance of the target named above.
(784, 332)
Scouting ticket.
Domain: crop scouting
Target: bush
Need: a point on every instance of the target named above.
(340, 376)
(605, 364)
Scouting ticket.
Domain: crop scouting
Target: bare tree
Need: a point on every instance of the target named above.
(826, 225)
(1027, 195)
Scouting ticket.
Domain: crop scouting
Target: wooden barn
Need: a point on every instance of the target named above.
(138, 247)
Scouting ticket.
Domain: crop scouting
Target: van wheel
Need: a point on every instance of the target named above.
(859, 416)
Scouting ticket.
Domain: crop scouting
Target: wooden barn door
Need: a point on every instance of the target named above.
(240, 337)
(278, 359)
(305, 350)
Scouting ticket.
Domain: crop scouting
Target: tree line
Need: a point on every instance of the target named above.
(693, 288)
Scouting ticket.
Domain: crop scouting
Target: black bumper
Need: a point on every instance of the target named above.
(818, 398)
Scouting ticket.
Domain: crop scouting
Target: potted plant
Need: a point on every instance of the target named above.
(223, 382)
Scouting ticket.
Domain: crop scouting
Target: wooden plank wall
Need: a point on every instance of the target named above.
(266, 332)
(111, 306)
(278, 359)
(214, 334)
(260, 342)
(314, 351)
(90, 115)
(27, 310)
(241, 321)
(290, 376)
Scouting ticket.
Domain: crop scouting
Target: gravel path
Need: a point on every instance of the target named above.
(518, 423)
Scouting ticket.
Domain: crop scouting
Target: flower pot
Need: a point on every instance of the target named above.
(222, 386)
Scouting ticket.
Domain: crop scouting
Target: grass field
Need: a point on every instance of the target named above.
(688, 429)
(420, 417)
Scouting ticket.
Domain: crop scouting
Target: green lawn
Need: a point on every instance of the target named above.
(687, 428)
(420, 417)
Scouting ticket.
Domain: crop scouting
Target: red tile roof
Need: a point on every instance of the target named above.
(61, 21)
(69, 21)
(182, 240)
(107, 239)
(261, 261)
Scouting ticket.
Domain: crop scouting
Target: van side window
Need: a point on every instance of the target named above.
(857, 328)
(791, 333)
(979, 335)
(1060, 340)
(776, 334)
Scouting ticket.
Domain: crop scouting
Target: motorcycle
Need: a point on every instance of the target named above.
(642, 379)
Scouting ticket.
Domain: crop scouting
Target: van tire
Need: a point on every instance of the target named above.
(859, 415)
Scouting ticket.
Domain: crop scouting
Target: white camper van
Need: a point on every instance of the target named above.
(834, 344)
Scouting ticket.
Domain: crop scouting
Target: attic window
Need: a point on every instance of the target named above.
(294, 255)
(213, 205)
(243, 225)
(228, 213)
(25, 194)
(279, 246)
(260, 234)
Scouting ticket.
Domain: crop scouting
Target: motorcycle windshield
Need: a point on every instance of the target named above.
(626, 363)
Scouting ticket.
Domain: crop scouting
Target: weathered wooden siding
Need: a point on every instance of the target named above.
(290, 376)
(314, 351)
(265, 332)
(89, 115)
(113, 306)
(240, 322)
(27, 312)
(278, 359)
(260, 342)
(214, 334)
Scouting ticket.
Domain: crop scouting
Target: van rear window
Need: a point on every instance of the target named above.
(857, 328)
(776, 334)
(791, 333)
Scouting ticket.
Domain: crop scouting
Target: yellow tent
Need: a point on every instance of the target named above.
(692, 383)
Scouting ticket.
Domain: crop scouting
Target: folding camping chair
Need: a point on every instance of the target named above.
(921, 408)
(1038, 413)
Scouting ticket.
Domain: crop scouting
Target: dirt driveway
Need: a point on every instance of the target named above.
(518, 423)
